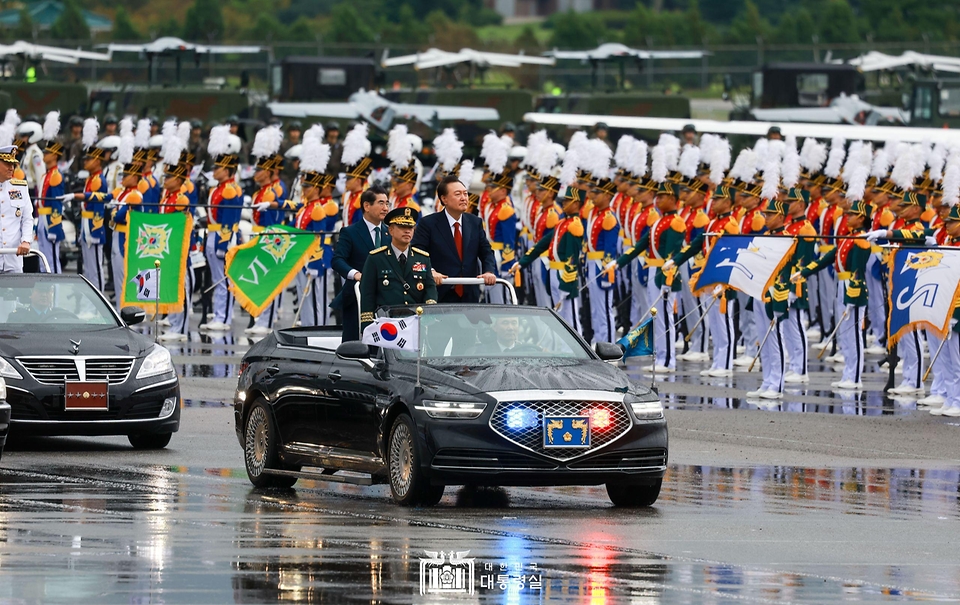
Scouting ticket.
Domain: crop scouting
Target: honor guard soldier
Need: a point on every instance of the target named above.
(719, 313)
(404, 182)
(50, 204)
(695, 218)
(268, 203)
(319, 214)
(92, 215)
(849, 259)
(223, 218)
(357, 166)
(601, 245)
(398, 273)
(16, 213)
(126, 195)
(501, 223)
(176, 172)
(794, 330)
(563, 246)
(548, 216)
(664, 239)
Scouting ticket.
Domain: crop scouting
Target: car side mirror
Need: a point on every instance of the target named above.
(132, 315)
(608, 351)
(354, 350)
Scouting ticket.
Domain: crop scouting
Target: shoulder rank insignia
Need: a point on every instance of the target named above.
(378, 250)
(19, 182)
(419, 251)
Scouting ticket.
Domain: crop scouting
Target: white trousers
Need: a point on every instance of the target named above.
(269, 315)
(876, 310)
(180, 322)
(49, 249)
(940, 369)
(722, 332)
(316, 300)
(664, 325)
(910, 349)
(795, 340)
(601, 304)
(693, 309)
(222, 302)
(93, 263)
(117, 270)
(771, 353)
(569, 306)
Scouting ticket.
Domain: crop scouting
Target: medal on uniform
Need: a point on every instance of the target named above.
(386, 282)
(18, 212)
(419, 286)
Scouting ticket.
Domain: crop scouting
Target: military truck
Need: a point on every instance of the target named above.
(934, 103)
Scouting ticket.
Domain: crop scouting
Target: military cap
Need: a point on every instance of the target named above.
(774, 130)
(109, 119)
(270, 162)
(573, 194)
(360, 170)
(695, 184)
(134, 168)
(601, 126)
(774, 206)
(647, 183)
(180, 170)
(508, 127)
(317, 179)
(503, 180)
(860, 208)
(832, 184)
(750, 189)
(689, 128)
(294, 125)
(407, 175)
(550, 183)
(954, 214)
(53, 146)
(605, 186)
(723, 192)
(8, 154)
(796, 194)
(75, 121)
(403, 217)
(232, 120)
(886, 186)
(195, 123)
(668, 188)
(912, 198)
(332, 126)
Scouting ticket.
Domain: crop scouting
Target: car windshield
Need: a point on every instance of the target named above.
(42, 303)
(489, 332)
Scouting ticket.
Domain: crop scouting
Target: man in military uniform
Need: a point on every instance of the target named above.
(397, 274)
(16, 213)
(49, 206)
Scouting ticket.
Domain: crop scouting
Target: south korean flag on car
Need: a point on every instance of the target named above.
(392, 333)
(148, 284)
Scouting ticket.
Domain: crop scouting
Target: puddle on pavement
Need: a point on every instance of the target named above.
(192, 534)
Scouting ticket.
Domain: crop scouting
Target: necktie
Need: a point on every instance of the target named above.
(376, 236)
(403, 260)
(458, 240)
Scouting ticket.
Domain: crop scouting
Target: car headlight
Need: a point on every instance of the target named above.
(156, 363)
(8, 371)
(647, 410)
(3, 390)
(452, 409)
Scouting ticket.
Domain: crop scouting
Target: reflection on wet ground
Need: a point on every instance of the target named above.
(179, 535)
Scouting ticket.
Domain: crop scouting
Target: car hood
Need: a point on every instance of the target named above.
(109, 341)
(520, 375)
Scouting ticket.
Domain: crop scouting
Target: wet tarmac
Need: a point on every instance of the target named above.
(873, 518)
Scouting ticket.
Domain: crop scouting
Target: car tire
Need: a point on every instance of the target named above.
(632, 495)
(260, 453)
(408, 485)
(156, 441)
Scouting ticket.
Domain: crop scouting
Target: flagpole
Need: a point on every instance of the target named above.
(303, 298)
(773, 322)
(833, 335)
(935, 357)
(653, 375)
(156, 311)
(702, 317)
(419, 343)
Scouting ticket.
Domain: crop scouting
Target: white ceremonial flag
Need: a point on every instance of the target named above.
(148, 284)
(393, 333)
(745, 263)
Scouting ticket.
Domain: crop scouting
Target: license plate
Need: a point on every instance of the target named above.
(86, 396)
(566, 431)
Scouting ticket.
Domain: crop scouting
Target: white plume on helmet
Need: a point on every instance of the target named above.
(951, 181)
(51, 126)
(170, 139)
(399, 150)
(465, 175)
(267, 142)
(539, 146)
(32, 130)
(853, 159)
(936, 160)
(314, 132)
(746, 166)
(812, 155)
(909, 166)
(315, 155)
(671, 150)
(835, 158)
(219, 141)
(356, 145)
(544, 157)
(771, 177)
(636, 162)
(568, 172)
(625, 147)
(597, 162)
(578, 142)
(790, 167)
(658, 164)
(141, 138)
(881, 160)
(448, 148)
(183, 131)
(88, 137)
(125, 151)
(498, 152)
(715, 151)
(8, 129)
(689, 161)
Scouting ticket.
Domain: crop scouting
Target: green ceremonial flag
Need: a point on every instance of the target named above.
(155, 260)
(261, 268)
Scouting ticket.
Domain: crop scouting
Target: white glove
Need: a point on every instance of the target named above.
(873, 236)
(795, 278)
(931, 241)
(51, 237)
(611, 265)
(66, 197)
(112, 204)
(313, 272)
(718, 291)
(262, 206)
(221, 254)
(668, 265)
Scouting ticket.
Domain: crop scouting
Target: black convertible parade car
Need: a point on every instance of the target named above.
(72, 366)
(498, 395)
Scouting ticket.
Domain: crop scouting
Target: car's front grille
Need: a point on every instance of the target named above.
(530, 434)
(487, 459)
(628, 460)
(57, 370)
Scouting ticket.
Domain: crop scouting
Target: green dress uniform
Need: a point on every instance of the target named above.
(385, 283)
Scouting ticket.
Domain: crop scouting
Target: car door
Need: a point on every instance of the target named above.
(295, 379)
(353, 417)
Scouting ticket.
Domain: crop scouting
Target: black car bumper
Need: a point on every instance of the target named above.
(460, 452)
(4, 424)
(134, 408)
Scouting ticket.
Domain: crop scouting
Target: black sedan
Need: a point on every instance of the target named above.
(497, 395)
(72, 365)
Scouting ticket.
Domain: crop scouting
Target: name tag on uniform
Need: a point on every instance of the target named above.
(16, 194)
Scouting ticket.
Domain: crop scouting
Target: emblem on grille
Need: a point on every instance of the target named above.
(76, 346)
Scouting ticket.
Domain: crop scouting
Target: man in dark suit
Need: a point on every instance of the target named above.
(353, 248)
(456, 243)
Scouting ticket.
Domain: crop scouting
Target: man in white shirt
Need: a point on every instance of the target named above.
(16, 213)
